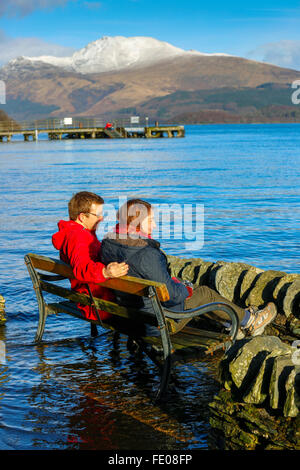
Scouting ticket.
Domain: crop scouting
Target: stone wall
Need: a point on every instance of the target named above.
(246, 285)
(241, 426)
(259, 403)
(264, 371)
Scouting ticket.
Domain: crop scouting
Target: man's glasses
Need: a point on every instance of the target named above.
(96, 215)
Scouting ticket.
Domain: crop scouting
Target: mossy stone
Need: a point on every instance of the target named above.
(228, 278)
(291, 302)
(282, 366)
(262, 291)
(245, 366)
(292, 402)
(283, 284)
(258, 390)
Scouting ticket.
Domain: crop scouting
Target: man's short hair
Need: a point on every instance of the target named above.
(81, 202)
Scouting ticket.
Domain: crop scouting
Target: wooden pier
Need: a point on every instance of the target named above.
(86, 129)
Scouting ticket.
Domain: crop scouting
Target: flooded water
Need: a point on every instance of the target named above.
(77, 392)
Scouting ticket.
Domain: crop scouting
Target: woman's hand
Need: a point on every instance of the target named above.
(115, 270)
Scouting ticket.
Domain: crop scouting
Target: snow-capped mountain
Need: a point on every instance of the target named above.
(117, 76)
(110, 54)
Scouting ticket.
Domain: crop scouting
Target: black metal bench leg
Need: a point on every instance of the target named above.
(41, 303)
(42, 322)
(164, 378)
(166, 344)
(94, 330)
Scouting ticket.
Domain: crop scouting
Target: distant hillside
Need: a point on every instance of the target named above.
(268, 114)
(267, 101)
(183, 84)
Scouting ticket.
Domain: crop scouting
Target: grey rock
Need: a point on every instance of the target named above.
(262, 291)
(282, 286)
(263, 371)
(248, 281)
(259, 390)
(292, 402)
(228, 279)
(246, 365)
(282, 367)
(201, 273)
(192, 269)
(291, 302)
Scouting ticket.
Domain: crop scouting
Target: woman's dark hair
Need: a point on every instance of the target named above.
(133, 212)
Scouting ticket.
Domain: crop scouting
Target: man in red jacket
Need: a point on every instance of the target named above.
(79, 246)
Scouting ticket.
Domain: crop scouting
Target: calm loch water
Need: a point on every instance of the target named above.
(78, 392)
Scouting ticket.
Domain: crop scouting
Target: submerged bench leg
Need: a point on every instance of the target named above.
(166, 344)
(39, 295)
(42, 322)
(94, 331)
(164, 378)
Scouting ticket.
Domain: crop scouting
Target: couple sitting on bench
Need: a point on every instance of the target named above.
(130, 250)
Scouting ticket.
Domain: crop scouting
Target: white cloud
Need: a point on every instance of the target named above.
(284, 53)
(10, 48)
(25, 7)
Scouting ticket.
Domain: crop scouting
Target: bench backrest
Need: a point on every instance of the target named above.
(128, 284)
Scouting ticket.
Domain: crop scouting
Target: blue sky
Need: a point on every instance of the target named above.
(261, 30)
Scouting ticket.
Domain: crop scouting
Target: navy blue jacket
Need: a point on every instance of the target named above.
(146, 261)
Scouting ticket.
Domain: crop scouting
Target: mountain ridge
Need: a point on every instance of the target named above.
(112, 54)
(37, 90)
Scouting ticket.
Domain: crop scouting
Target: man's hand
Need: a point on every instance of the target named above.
(115, 270)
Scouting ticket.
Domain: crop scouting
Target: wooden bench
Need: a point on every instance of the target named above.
(169, 335)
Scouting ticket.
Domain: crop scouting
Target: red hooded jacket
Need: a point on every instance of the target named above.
(80, 248)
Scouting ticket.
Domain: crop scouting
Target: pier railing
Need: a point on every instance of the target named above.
(77, 123)
(87, 128)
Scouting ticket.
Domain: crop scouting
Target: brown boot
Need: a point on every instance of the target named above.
(260, 320)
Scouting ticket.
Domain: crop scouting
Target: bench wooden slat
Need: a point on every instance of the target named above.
(51, 265)
(84, 299)
(131, 285)
(191, 341)
(106, 305)
(128, 284)
(64, 307)
(214, 335)
(181, 342)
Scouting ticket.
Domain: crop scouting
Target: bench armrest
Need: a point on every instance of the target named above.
(195, 312)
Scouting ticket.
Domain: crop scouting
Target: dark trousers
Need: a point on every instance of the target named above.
(204, 295)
